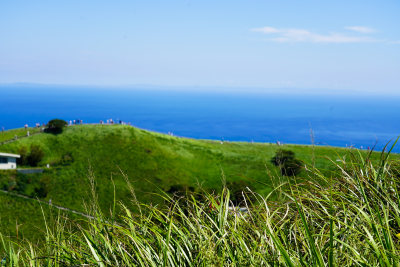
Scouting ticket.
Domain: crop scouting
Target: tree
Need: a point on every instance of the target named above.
(55, 126)
(23, 152)
(287, 163)
(282, 156)
(35, 155)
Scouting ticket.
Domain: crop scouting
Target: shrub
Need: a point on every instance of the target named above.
(36, 155)
(43, 188)
(55, 126)
(22, 182)
(180, 190)
(281, 156)
(287, 163)
(67, 159)
(291, 167)
(23, 152)
(238, 191)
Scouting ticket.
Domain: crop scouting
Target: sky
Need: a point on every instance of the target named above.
(324, 45)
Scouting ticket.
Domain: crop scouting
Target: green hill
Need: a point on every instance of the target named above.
(115, 154)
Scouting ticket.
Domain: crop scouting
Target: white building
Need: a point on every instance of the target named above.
(8, 161)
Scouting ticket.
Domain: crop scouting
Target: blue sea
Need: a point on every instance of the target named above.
(331, 119)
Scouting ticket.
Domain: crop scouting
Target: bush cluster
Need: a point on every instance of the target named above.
(55, 126)
(67, 159)
(240, 191)
(287, 162)
(31, 158)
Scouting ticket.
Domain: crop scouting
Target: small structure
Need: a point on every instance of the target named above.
(8, 161)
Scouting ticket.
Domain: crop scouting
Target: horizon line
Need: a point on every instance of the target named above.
(223, 88)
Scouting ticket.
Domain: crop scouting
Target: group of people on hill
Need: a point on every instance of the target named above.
(74, 122)
(111, 121)
(37, 125)
(108, 121)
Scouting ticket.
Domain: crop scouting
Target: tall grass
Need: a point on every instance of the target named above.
(351, 219)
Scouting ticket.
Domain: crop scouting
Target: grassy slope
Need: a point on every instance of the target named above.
(152, 161)
(20, 132)
(20, 218)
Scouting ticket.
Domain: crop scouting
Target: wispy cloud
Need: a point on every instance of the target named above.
(360, 29)
(301, 35)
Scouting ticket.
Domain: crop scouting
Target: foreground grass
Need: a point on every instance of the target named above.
(353, 219)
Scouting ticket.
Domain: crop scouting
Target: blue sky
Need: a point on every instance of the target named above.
(340, 45)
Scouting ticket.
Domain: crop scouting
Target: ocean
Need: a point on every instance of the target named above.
(331, 119)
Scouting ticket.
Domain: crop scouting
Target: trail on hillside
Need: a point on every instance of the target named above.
(47, 203)
(18, 138)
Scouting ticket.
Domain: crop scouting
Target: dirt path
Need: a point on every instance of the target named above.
(18, 138)
(47, 203)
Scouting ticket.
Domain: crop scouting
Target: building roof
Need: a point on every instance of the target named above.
(9, 155)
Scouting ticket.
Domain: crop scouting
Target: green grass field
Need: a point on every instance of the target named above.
(151, 163)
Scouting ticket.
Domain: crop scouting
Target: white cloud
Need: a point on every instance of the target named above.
(360, 29)
(301, 35)
(266, 30)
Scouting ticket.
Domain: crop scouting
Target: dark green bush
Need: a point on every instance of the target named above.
(239, 191)
(287, 162)
(36, 155)
(291, 167)
(23, 152)
(55, 126)
(67, 159)
(32, 158)
(180, 190)
(22, 182)
(43, 189)
(282, 156)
